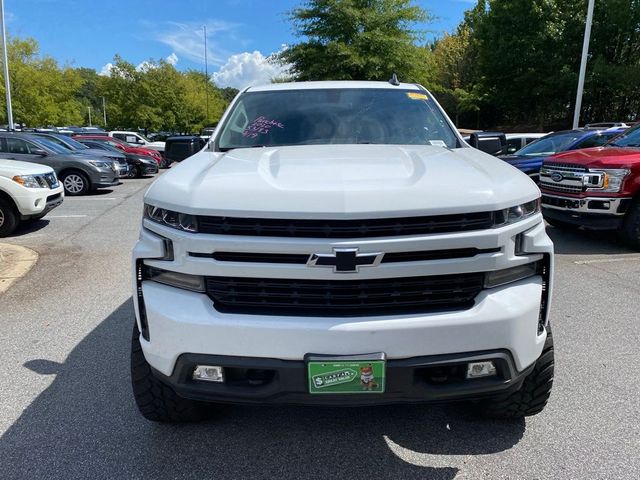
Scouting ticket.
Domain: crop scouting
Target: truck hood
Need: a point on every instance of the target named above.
(341, 181)
(600, 157)
(11, 168)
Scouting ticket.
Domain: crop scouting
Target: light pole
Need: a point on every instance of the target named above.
(89, 116)
(104, 113)
(206, 74)
(583, 64)
(7, 83)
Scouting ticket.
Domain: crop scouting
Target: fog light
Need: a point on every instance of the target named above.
(208, 373)
(480, 369)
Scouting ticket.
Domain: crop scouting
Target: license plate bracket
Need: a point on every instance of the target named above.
(346, 375)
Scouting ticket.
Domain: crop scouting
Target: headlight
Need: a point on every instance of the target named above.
(99, 164)
(513, 274)
(180, 221)
(194, 283)
(517, 213)
(605, 180)
(29, 181)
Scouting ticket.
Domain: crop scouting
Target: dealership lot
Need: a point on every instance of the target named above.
(66, 410)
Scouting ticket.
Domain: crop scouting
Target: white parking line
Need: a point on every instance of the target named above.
(96, 198)
(67, 216)
(608, 260)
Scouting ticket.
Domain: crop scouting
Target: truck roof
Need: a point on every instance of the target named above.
(330, 84)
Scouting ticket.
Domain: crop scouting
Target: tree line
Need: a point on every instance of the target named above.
(153, 96)
(509, 63)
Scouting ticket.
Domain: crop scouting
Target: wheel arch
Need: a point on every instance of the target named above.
(69, 170)
(6, 197)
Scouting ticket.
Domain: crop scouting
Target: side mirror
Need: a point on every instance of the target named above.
(40, 152)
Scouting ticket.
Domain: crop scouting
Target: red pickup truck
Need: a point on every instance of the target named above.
(596, 188)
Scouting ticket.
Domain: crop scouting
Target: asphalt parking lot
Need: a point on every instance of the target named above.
(66, 410)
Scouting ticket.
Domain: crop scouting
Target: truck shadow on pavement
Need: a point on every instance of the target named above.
(86, 425)
(30, 227)
(586, 242)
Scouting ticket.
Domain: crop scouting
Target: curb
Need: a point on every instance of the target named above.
(15, 263)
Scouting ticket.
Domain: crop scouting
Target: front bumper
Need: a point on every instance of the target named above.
(596, 213)
(181, 322)
(412, 380)
(183, 325)
(37, 202)
(123, 171)
(149, 169)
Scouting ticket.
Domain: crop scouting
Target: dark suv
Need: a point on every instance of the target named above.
(78, 173)
(180, 147)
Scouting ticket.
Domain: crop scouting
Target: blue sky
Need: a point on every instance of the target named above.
(240, 33)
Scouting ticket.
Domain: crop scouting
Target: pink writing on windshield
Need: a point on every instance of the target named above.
(260, 126)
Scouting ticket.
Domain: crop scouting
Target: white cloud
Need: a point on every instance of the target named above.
(172, 59)
(145, 66)
(247, 68)
(106, 70)
(186, 39)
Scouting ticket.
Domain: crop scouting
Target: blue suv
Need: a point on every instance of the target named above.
(529, 159)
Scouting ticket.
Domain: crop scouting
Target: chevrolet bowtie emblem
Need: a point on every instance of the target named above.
(345, 260)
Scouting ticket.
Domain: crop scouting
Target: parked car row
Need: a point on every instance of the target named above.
(38, 169)
(589, 177)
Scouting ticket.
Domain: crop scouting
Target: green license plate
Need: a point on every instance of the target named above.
(348, 375)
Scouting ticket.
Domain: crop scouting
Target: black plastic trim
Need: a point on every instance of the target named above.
(301, 259)
(286, 382)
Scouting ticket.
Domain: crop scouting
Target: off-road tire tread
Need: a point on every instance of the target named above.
(157, 401)
(630, 231)
(534, 393)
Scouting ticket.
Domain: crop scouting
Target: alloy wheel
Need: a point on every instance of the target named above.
(1, 217)
(73, 183)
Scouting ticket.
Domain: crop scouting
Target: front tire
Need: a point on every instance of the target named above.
(532, 396)
(75, 183)
(630, 231)
(8, 218)
(156, 401)
(134, 172)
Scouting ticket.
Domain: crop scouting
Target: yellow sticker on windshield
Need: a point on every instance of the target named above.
(417, 96)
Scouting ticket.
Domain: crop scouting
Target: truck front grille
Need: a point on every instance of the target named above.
(570, 177)
(389, 296)
(375, 227)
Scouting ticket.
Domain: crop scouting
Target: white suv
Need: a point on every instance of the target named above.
(337, 243)
(27, 192)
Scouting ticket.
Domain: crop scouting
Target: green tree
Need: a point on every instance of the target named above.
(43, 93)
(355, 40)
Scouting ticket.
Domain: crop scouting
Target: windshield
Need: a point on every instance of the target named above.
(74, 144)
(554, 143)
(630, 138)
(45, 142)
(335, 116)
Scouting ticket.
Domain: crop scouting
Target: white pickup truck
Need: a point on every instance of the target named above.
(338, 243)
(27, 192)
(137, 140)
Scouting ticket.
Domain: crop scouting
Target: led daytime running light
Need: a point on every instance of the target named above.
(169, 218)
